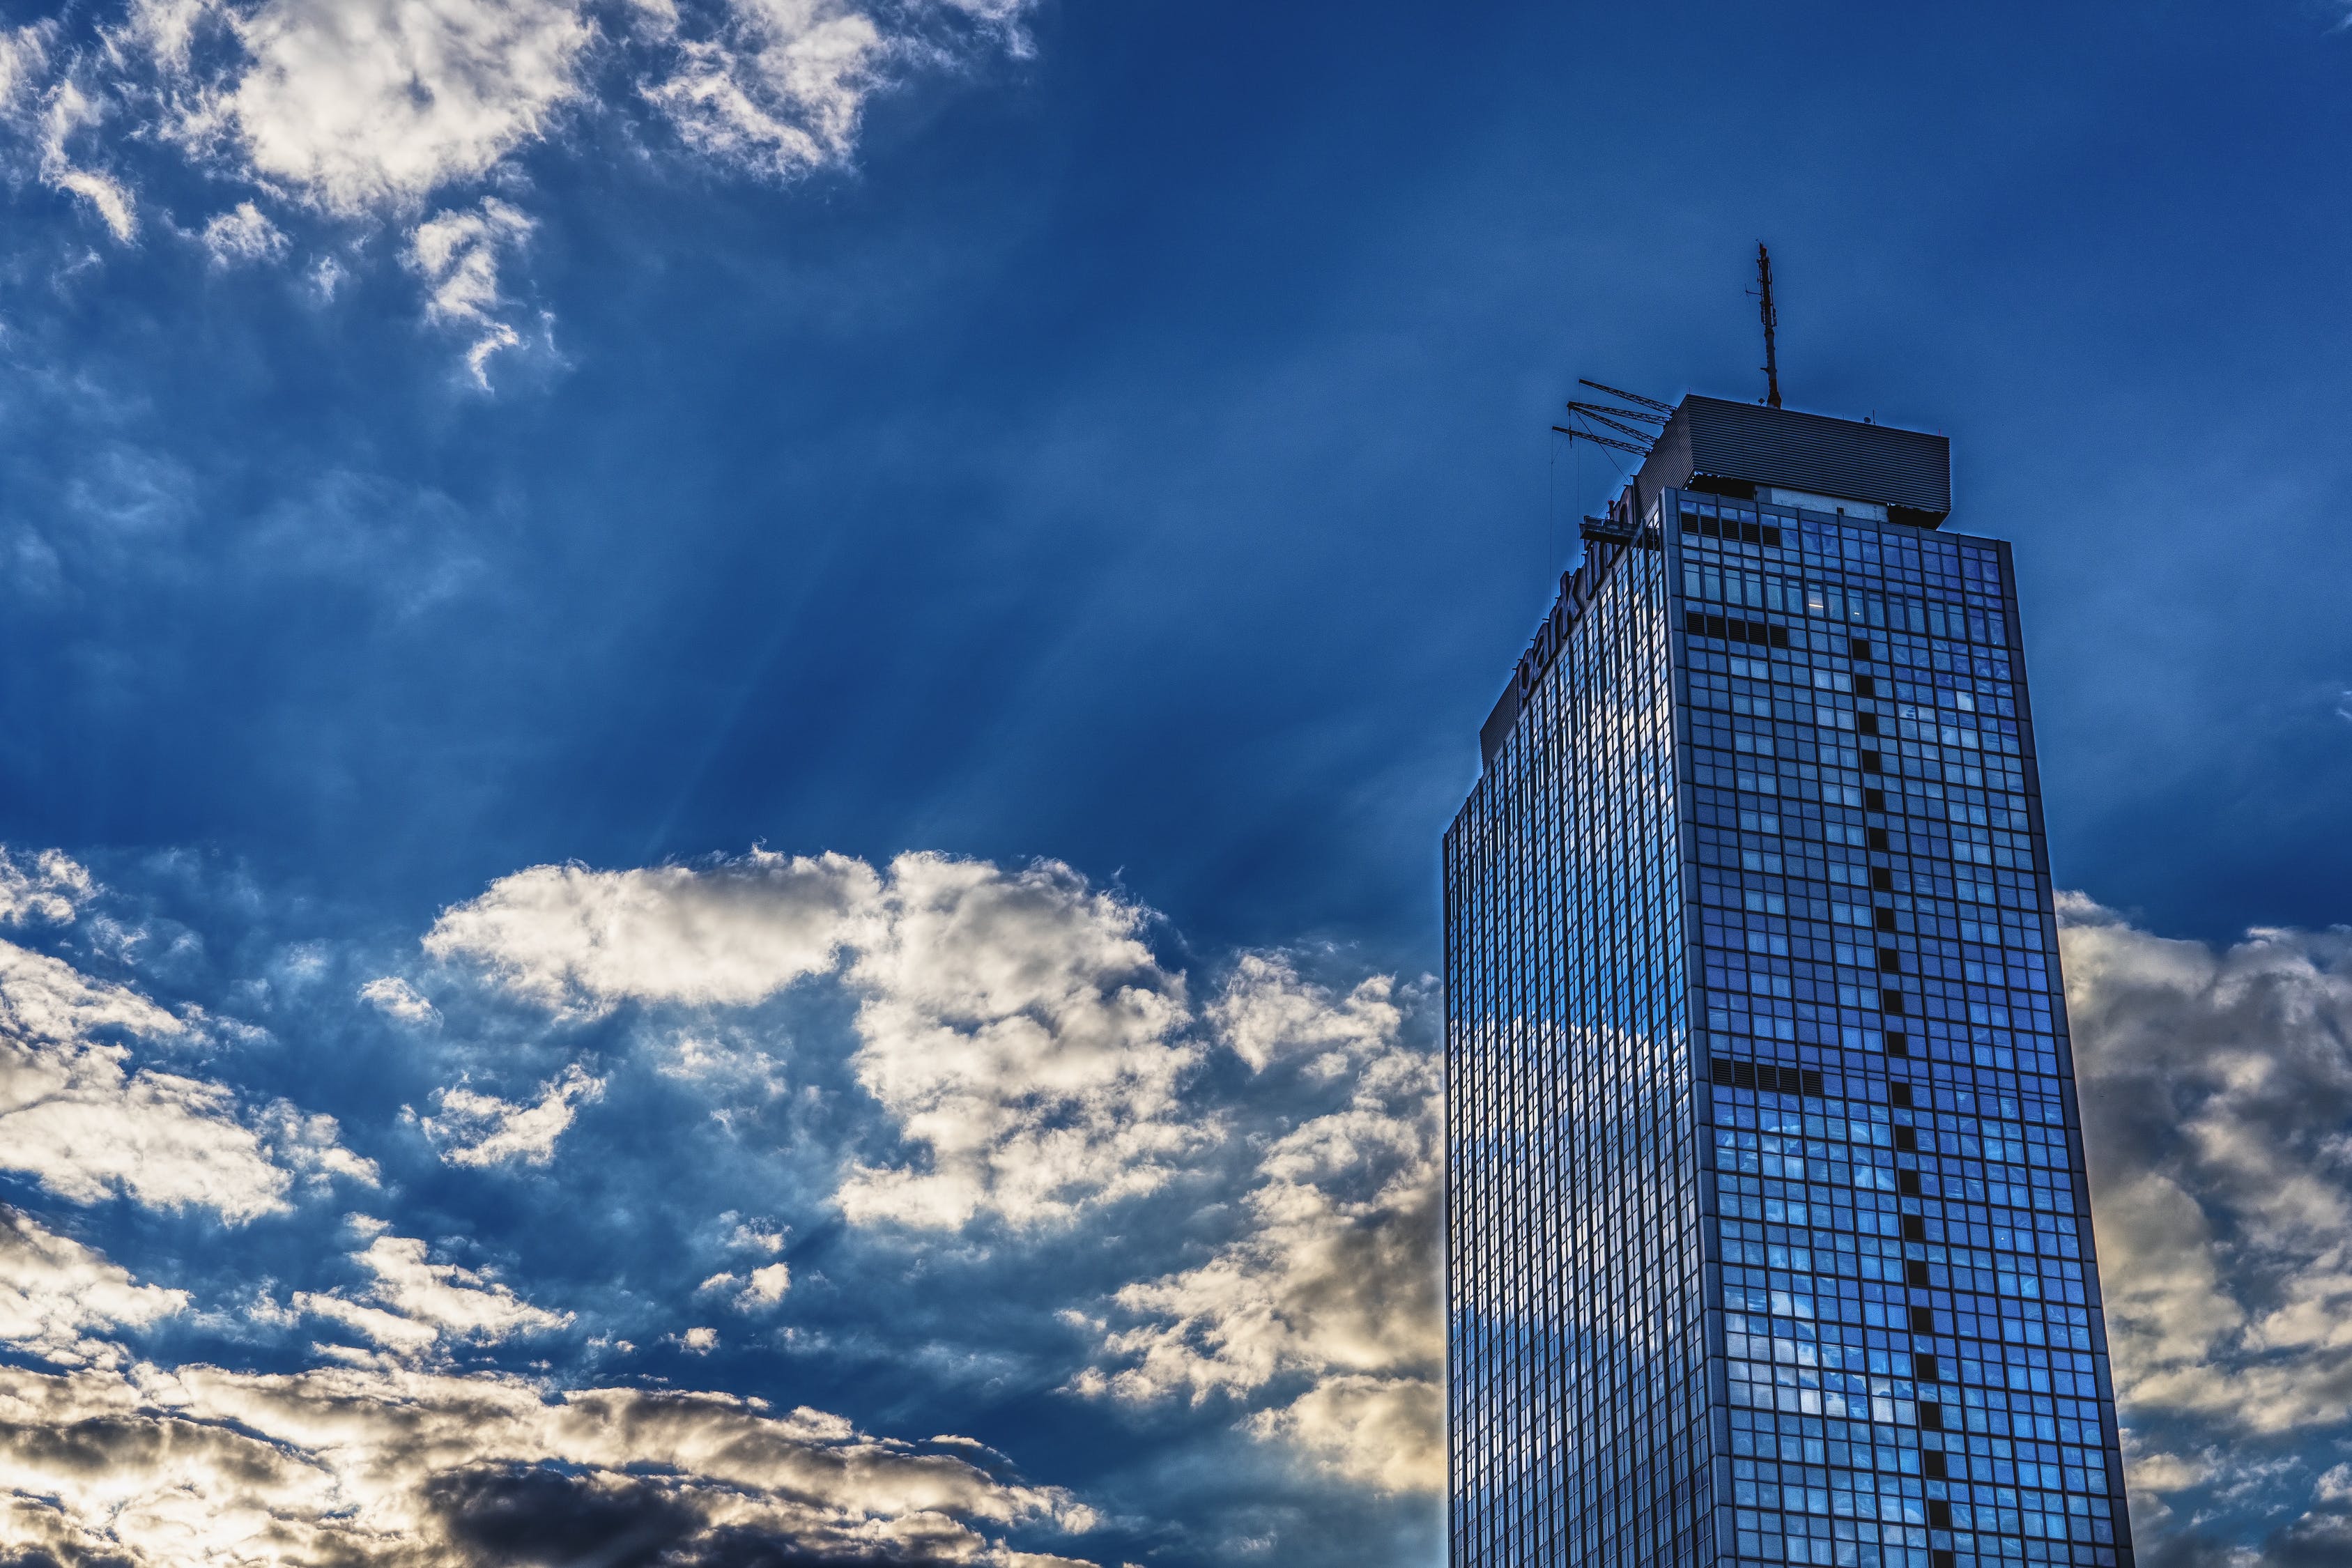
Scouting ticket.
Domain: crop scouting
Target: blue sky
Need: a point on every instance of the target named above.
(981, 533)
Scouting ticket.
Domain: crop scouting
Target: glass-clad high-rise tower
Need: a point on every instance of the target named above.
(1768, 1240)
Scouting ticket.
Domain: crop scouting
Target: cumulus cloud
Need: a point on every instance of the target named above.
(1024, 1040)
(363, 106)
(352, 114)
(1026, 1045)
(1265, 1012)
(2216, 1087)
(1331, 1279)
(763, 1287)
(77, 1116)
(480, 1130)
(58, 1300)
(155, 1467)
(752, 1236)
(415, 1303)
(1036, 1060)
(581, 941)
(396, 998)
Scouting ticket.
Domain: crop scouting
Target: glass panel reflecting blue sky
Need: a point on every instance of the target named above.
(1752, 959)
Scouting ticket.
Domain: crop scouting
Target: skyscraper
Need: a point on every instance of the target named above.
(1768, 1236)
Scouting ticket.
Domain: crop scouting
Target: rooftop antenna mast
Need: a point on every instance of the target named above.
(1771, 325)
(1629, 417)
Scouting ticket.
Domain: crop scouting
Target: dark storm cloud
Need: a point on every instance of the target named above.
(532, 1517)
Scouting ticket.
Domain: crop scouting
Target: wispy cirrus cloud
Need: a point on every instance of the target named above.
(457, 254)
(242, 234)
(47, 886)
(328, 120)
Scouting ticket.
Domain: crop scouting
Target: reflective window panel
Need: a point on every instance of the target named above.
(1767, 1237)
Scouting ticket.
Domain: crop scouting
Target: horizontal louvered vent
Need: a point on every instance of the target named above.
(1761, 633)
(1732, 1073)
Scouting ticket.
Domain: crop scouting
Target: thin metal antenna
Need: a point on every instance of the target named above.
(1632, 424)
(1771, 325)
(1615, 419)
(1666, 408)
(1603, 440)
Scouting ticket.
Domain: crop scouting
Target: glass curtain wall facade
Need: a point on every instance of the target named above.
(1578, 1408)
(1769, 1240)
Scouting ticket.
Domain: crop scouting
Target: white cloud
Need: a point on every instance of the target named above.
(781, 86)
(752, 1236)
(1332, 1276)
(1024, 1038)
(696, 1342)
(764, 1288)
(47, 886)
(395, 1333)
(79, 1119)
(308, 1143)
(46, 1000)
(23, 64)
(66, 115)
(1387, 1433)
(457, 253)
(480, 1130)
(243, 234)
(385, 1467)
(343, 116)
(1264, 1012)
(396, 998)
(414, 1303)
(371, 106)
(1021, 1036)
(2216, 1087)
(58, 1296)
(2156, 1473)
(581, 941)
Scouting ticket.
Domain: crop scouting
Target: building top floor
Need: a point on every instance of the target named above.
(1745, 449)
